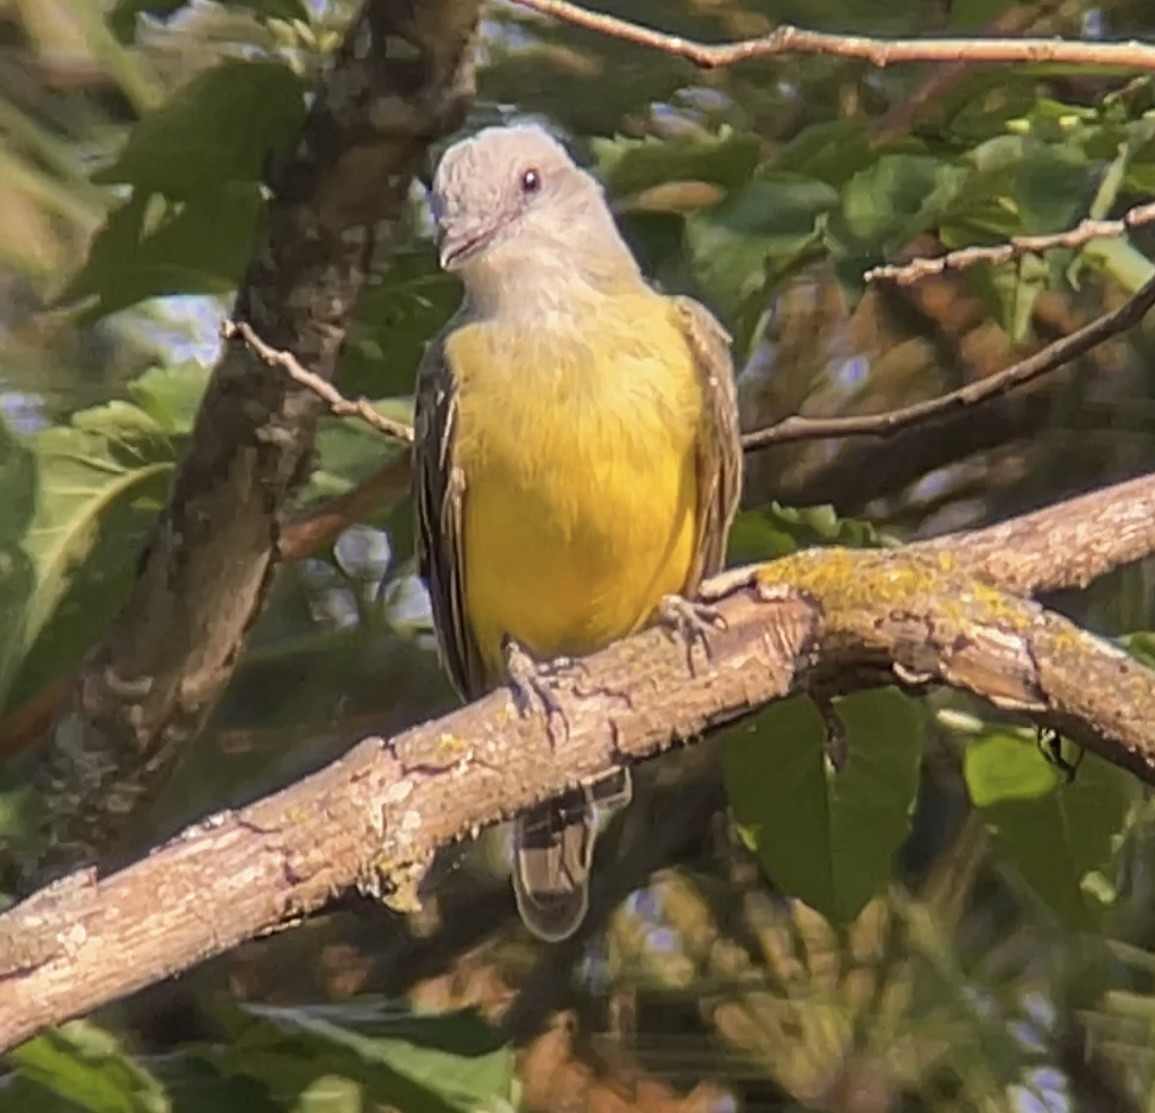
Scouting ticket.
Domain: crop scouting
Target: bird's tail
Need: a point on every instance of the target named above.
(553, 847)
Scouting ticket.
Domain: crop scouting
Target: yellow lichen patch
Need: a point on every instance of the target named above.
(854, 580)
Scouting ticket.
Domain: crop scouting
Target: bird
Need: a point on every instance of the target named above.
(577, 463)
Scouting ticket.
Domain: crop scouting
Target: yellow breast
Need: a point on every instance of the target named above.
(577, 448)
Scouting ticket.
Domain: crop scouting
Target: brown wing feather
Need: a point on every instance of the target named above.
(719, 440)
(439, 499)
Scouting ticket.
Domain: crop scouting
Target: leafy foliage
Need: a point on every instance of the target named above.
(325, 1058)
(827, 835)
(769, 191)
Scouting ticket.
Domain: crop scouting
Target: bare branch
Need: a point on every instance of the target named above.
(374, 818)
(917, 269)
(1047, 359)
(322, 388)
(786, 39)
(207, 566)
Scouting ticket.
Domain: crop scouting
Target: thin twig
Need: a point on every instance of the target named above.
(907, 273)
(336, 401)
(786, 39)
(1050, 358)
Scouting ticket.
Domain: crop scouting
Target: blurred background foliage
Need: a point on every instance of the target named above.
(950, 923)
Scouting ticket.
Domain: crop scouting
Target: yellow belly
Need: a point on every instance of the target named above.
(580, 480)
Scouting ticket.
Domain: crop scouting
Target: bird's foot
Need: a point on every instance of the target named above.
(534, 685)
(691, 620)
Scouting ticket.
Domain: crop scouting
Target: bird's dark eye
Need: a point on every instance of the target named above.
(530, 181)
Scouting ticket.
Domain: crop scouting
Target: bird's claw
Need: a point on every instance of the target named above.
(691, 621)
(534, 685)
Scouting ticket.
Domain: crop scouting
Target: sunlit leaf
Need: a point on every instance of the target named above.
(84, 1066)
(1061, 833)
(774, 531)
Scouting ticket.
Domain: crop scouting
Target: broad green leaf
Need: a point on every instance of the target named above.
(100, 481)
(19, 485)
(1052, 188)
(827, 838)
(171, 396)
(86, 1067)
(348, 449)
(91, 490)
(632, 166)
(887, 204)
(1010, 292)
(831, 151)
(217, 129)
(1062, 837)
(772, 221)
(444, 1064)
(773, 531)
(1122, 260)
(150, 248)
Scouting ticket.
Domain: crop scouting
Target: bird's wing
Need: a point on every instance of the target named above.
(719, 439)
(439, 499)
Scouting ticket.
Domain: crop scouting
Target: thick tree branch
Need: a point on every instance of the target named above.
(1063, 546)
(373, 820)
(401, 78)
(786, 39)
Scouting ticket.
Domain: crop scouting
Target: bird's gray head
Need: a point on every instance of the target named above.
(511, 197)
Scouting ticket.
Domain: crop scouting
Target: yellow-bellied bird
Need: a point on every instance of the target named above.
(577, 457)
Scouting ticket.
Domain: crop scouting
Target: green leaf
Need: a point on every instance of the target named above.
(348, 449)
(772, 221)
(773, 531)
(170, 396)
(86, 1067)
(444, 1063)
(151, 248)
(19, 485)
(1052, 187)
(631, 166)
(217, 129)
(99, 482)
(1062, 836)
(832, 151)
(887, 204)
(825, 837)
(1010, 292)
